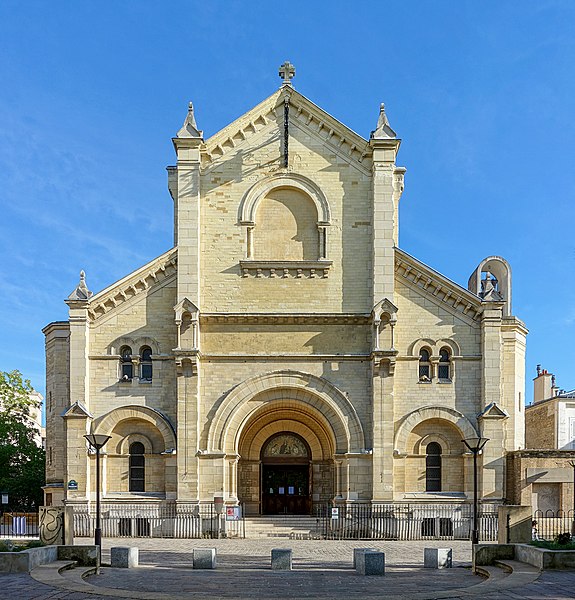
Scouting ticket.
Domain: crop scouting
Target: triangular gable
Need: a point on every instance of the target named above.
(135, 283)
(436, 286)
(185, 306)
(304, 115)
(384, 306)
(492, 411)
(77, 410)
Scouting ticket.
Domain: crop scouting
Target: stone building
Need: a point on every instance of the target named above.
(285, 352)
(542, 475)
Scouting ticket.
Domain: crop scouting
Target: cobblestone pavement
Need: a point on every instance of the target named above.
(322, 569)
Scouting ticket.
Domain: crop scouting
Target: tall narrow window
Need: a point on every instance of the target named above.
(146, 364)
(433, 468)
(137, 467)
(444, 372)
(126, 366)
(424, 365)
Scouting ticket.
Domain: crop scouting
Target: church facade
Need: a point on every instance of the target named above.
(285, 352)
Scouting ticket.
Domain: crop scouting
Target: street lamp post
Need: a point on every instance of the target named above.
(98, 441)
(475, 445)
(571, 463)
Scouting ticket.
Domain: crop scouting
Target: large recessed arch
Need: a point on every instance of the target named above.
(260, 189)
(275, 418)
(301, 389)
(106, 423)
(431, 412)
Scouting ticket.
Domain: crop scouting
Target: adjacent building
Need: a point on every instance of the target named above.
(543, 475)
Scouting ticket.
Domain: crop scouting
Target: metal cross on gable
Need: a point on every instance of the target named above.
(287, 72)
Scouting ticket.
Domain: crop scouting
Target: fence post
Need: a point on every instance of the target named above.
(519, 529)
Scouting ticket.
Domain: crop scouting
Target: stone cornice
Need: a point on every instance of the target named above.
(514, 324)
(57, 329)
(281, 269)
(282, 356)
(133, 284)
(282, 318)
(437, 286)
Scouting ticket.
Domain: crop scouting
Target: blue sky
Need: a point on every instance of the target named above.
(92, 92)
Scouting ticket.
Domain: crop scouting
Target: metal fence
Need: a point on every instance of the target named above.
(162, 521)
(405, 522)
(550, 523)
(18, 524)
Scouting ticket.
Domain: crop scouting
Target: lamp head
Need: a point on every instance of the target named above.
(475, 444)
(97, 440)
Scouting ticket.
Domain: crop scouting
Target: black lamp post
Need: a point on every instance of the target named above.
(98, 441)
(475, 445)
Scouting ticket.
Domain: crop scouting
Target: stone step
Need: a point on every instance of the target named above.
(286, 526)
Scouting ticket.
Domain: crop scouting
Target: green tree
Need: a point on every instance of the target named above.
(22, 461)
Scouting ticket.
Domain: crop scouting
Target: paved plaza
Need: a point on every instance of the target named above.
(321, 569)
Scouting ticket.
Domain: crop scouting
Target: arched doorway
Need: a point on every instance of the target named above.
(285, 475)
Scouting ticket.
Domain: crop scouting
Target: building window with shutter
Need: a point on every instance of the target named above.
(424, 366)
(137, 467)
(444, 369)
(146, 364)
(433, 467)
(126, 365)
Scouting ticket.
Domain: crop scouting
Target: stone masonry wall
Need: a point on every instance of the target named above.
(540, 426)
(224, 243)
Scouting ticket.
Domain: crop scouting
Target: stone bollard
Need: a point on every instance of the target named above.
(357, 552)
(281, 559)
(204, 558)
(437, 558)
(371, 562)
(123, 557)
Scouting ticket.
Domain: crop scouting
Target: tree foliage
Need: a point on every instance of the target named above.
(22, 460)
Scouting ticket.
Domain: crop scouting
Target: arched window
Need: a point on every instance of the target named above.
(146, 363)
(433, 467)
(126, 366)
(444, 372)
(424, 365)
(137, 467)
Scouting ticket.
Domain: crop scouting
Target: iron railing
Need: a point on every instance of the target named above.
(18, 524)
(550, 523)
(405, 522)
(161, 521)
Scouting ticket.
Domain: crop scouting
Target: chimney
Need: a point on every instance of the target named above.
(542, 385)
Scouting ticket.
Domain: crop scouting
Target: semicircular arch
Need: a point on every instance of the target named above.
(263, 425)
(421, 415)
(259, 190)
(106, 423)
(309, 391)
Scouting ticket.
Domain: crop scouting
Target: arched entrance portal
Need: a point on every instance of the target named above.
(285, 484)
(287, 402)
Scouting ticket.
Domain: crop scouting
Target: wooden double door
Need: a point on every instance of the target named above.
(286, 489)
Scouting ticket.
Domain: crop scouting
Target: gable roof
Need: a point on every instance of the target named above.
(436, 285)
(303, 114)
(135, 283)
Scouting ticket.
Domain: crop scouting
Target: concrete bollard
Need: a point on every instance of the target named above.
(357, 552)
(371, 562)
(204, 558)
(437, 558)
(281, 559)
(123, 557)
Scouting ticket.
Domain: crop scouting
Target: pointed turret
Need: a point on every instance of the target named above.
(383, 129)
(81, 292)
(189, 128)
